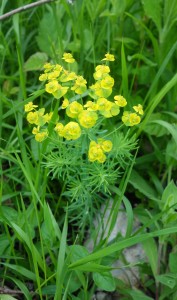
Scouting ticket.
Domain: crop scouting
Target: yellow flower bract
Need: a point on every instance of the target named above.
(87, 118)
(68, 58)
(72, 131)
(139, 109)
(74, 109)
(30, 106)
(109, 57)
(96, 150)
(120, 100)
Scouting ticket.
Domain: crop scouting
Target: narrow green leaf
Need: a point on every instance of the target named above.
(21, 270)
(61, 259)
(122, 245)
(22, 287)
(93, 267)
(124, 72)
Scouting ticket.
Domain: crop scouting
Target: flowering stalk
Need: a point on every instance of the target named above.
(84, 117)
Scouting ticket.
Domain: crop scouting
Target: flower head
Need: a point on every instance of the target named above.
(87, 119)
(48, 67)
(43, 77)
(101, 72)
(40, 136)
(68, 58)
(109, 57)
(59, 128)
(80, 85)
(130, 119)
(90, 105)
(72, 131)
(53, 75)
(52, 86)
(107, 82)
(106, 145)
(120, 100)
(95, 153)
(139, 109)
(74, 109)
(30, 106)
(65, 103)
(33, 117)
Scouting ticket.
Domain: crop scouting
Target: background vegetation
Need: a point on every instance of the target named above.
(45, 222)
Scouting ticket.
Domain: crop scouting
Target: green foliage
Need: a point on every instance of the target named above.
(50, 198)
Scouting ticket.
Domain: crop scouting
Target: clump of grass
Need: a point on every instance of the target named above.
(49, 196)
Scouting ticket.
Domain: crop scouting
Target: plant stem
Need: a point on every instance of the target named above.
(24, 8)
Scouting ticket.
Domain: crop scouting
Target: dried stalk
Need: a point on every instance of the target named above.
(24, 8)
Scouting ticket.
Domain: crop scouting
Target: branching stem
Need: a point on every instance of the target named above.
(24, 8)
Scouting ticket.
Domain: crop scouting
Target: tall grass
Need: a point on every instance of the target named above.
(42, 245)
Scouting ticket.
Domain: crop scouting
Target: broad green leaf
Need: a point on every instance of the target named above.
(150, 248)
(25, 238)
(36, 61)
(47, 34)
(104, 281)
(78, 252)
(169, 280)
(156, 100)
(50, 230)
(172, 128)
(49, 290)
(153, 128)
(169, 196)
(169, 203)
(138, 295)
(173, 262)
(4, 242)
(118, 7)
(10, 213)
(171, 154)
(7, 297)
(153, 10)
(73, 282)
(139, 183)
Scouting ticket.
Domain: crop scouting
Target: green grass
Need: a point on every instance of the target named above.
(49, 198)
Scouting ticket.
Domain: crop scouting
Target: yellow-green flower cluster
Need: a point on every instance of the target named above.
(131, 118)
(62, 83)
(70, 131)
(38, 118)
(97, 150)
(59, 81)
